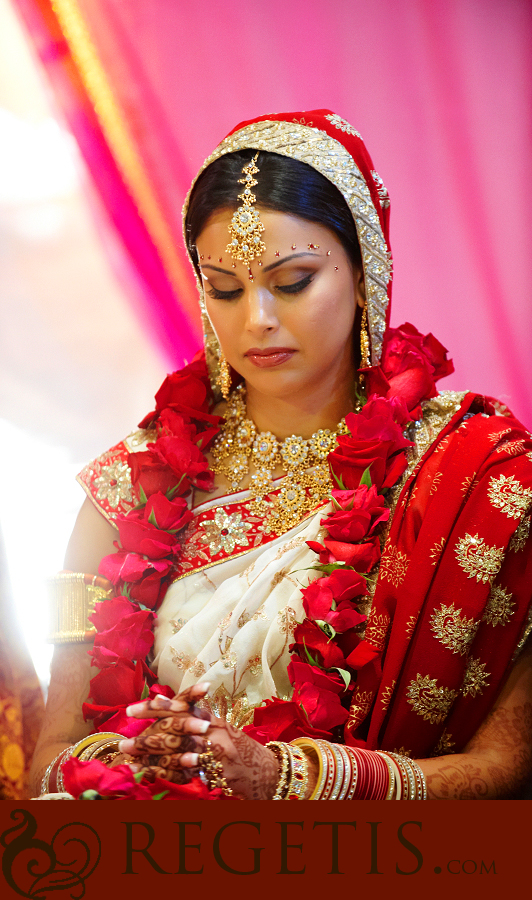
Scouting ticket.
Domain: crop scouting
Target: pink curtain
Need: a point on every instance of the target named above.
(441, 92)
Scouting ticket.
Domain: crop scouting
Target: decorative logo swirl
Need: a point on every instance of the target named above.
(33, 868)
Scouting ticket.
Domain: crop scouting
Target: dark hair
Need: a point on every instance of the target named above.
(284, 185)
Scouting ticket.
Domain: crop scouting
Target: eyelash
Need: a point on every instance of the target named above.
(285, 289)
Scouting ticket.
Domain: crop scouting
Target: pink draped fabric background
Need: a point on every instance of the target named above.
(439, 89)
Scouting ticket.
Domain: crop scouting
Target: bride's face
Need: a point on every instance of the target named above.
(286, 327)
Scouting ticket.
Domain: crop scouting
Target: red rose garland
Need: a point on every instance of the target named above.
(327, 650)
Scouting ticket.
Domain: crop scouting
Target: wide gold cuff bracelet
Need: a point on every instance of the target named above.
(72, 597)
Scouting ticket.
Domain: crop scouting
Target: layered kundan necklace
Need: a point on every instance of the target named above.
(240, 447)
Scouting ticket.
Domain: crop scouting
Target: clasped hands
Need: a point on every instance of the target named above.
(170, 747)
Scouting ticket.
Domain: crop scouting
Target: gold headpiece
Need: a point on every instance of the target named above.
(246, 226)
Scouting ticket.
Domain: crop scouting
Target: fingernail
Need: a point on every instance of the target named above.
(198, 726)
(134, 768)
(126, 746)
(203, 686)
(189, 760)
(131, 710)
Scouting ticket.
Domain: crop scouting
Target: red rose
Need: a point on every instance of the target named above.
(132, 638)
(323, 708)
(344, 617)
(139, 536)
(119, 783)
(361, 557)
(309, 637)
(357, 514)
(186, 461)
(151, 473)
(108, 612)
(281, 720)
(317, 599)
(145, 578)
(346, 584)
(375, 442)
(169, 515)
(412, 363)
(118, 685)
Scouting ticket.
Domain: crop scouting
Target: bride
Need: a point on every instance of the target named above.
(321, 584)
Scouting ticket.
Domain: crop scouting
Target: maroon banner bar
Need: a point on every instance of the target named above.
(62, 849)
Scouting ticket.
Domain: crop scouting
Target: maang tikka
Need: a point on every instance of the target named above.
(246, 227)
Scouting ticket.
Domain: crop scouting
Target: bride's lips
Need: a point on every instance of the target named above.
(272, 356)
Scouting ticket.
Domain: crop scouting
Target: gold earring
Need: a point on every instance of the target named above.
(224, 378)
(364, 340)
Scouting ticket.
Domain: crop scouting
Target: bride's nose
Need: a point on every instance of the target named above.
(260, 311)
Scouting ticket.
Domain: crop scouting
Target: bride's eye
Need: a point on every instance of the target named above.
(297, 287)
(222, 295)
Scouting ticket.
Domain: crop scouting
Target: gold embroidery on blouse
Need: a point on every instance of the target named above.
(114, 484)
(394, 565)
(436, 551)
(521, 535)
(500, 606)
(445, 745)
(509, 495)
(475, 678)
(478, 559)
(429, 700)
(454, 631)
(360, 707)
(225, 532)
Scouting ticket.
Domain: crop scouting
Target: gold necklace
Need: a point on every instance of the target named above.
(307, 480)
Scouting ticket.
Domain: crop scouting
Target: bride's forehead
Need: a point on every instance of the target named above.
(278, 226)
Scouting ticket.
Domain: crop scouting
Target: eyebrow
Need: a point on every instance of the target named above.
(274, 265)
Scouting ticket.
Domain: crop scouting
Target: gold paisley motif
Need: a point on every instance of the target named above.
(377, 629)
(509, 496)
(478, 559)
(360, 707)
(521, 535)
(500, 606)
(428, 700)
(394, 565)
(452, 629)
(475, 678)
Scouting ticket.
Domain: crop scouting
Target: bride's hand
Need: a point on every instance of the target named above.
(171, 746)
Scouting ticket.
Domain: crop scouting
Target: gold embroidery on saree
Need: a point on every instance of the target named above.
(445, 745)
(286, 619)
(509, 495)
(387, 694)
(410, 626)
(521, 535)
(377, 629)
(500, 606)
(475, 678)
(236, 710)
(394, 565)
(478, 559)
(428, 700)
(454, 631)
(360, 707)
(436, 551)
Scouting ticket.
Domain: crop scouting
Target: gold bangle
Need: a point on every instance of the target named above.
(88, 745)
(311, 749)
(282, 755)
(298, 782)
(72, 598)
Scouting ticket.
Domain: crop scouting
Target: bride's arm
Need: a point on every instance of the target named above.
(497, 761)
(92, 538)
